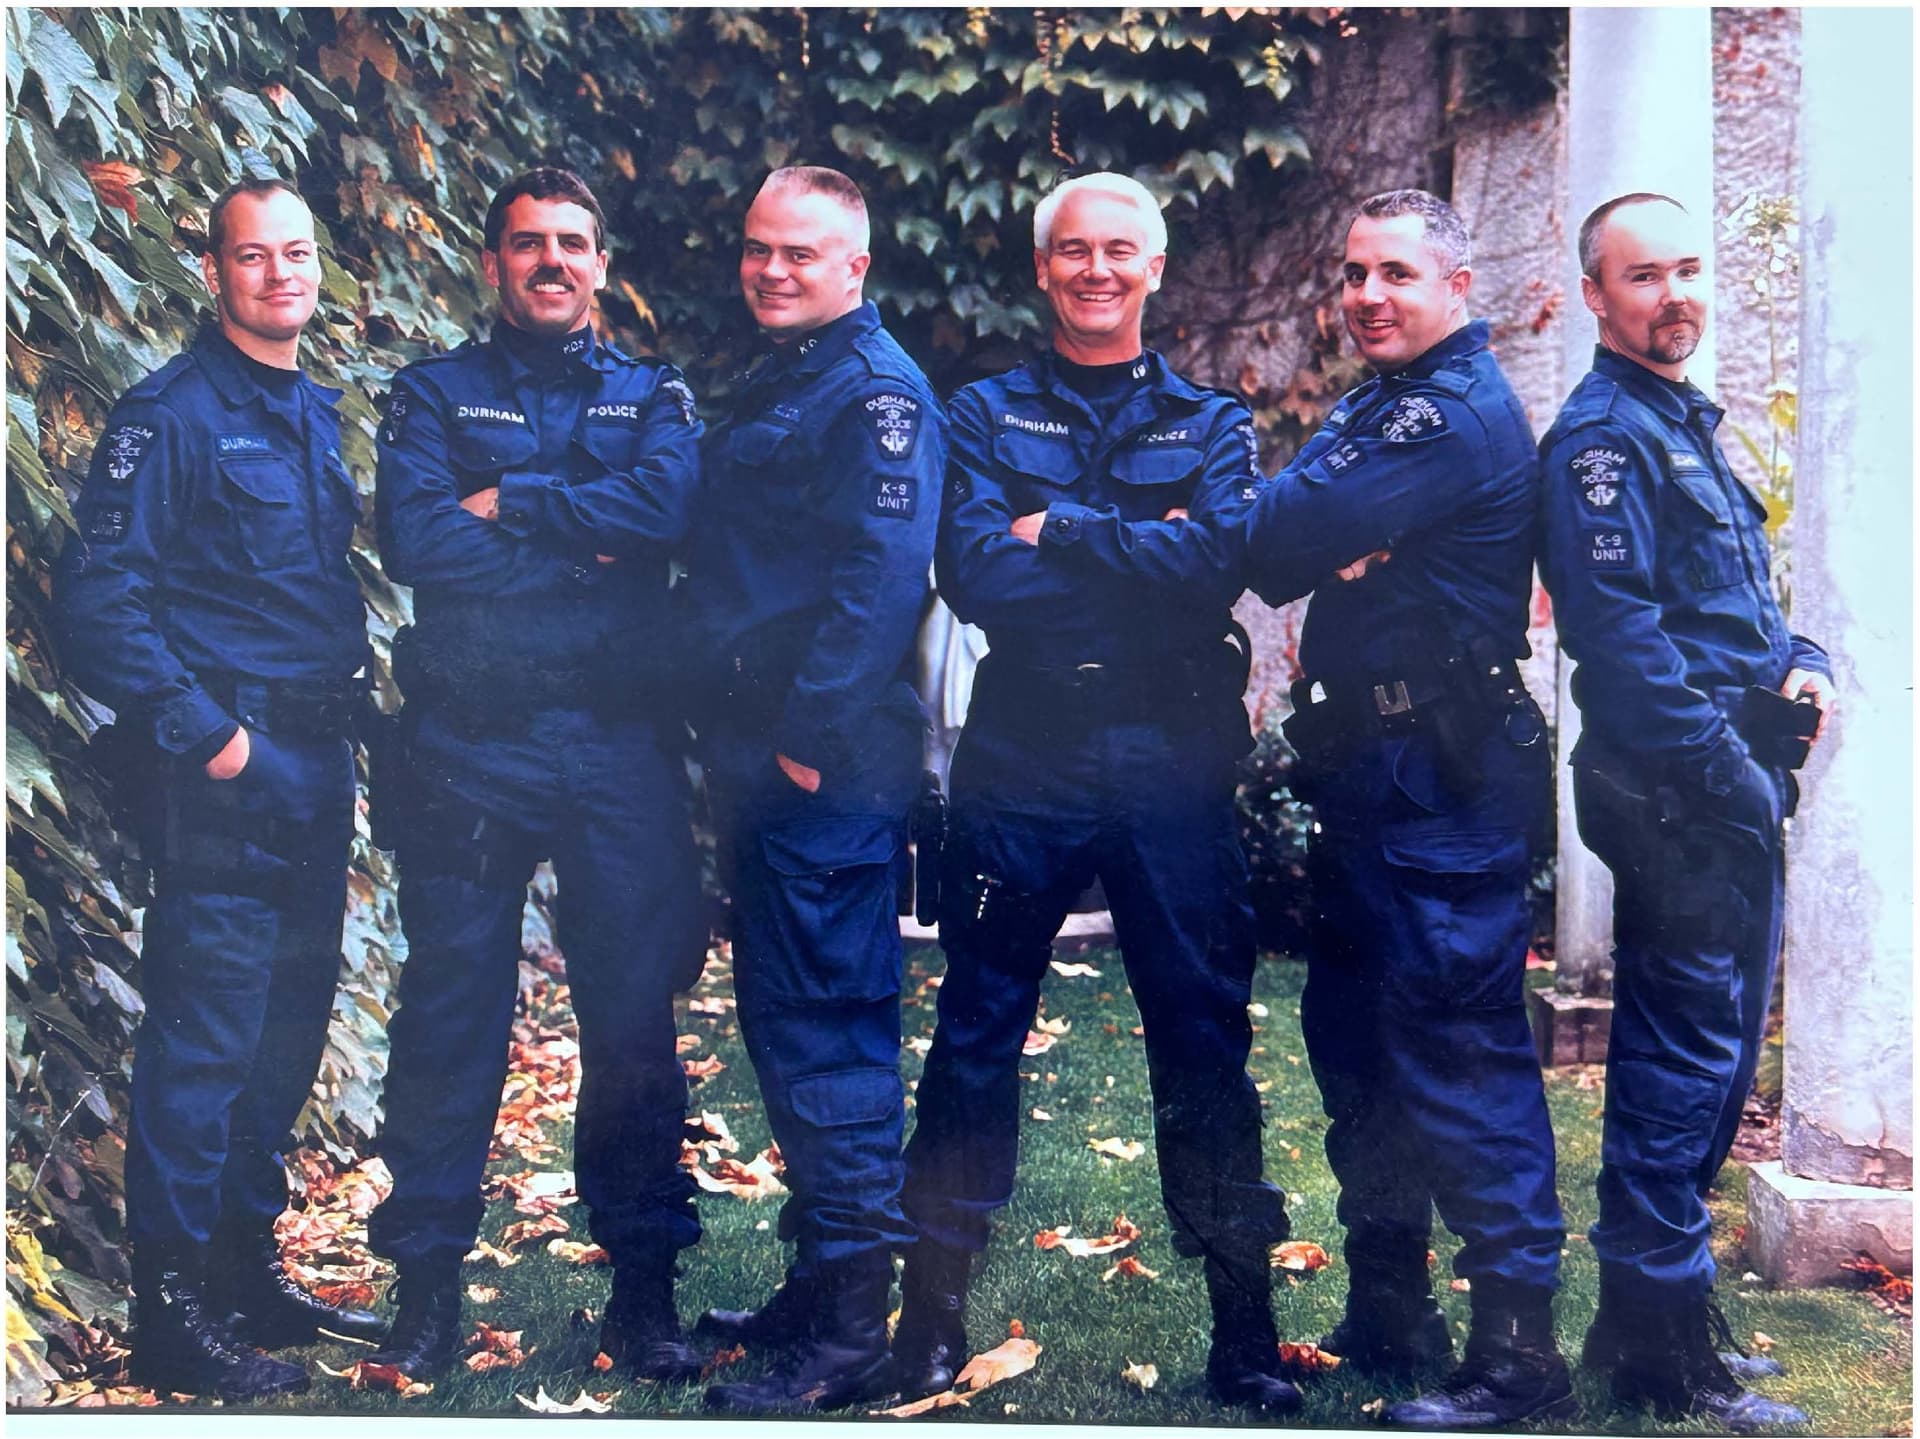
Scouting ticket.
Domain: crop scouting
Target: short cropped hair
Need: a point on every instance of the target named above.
(1593, 228)
(257, 185)
(819, 180)
(1103, 182)
(543, 182)
(1445, 233)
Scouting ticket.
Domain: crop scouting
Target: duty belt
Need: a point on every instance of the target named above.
(1386, 707)
(299, 709)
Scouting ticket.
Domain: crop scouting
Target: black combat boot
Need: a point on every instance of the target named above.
(1243, 1364)
(1668, 1363)
(641, 1330)
(785, 1319)
(1607, 1338)
(181, 1345)
(425, 1338)
(1392, 1324)
(249, 1277)
(930, 1342)
(844, 1361)
(1512, 1371)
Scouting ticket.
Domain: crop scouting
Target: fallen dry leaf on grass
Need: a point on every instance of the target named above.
(1460, 1286)
(1040, 1114)
(714, 1006)
(572, 1251)
(1038, 1043)
(380, 1376)
(1306, 1360)
(1058, 1028)
(703, 1068)
(758, 1179)
(1073, 969)
(543, 1403)
(1762, 1343)
(525, 1231)
(1132, 1268)
(1125, 1231)
(687, 1043)
(1005, 1360)
(1301, 1256)
(484, 1250)
(1144, 1375)
(945, 1399)
(603, 1361)
(1117, 1148)
(722, 1358)
(117, 1396)
(482, 1293)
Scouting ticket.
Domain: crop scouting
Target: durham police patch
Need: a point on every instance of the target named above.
(894, 421)
(123, 447)
(1413, 417)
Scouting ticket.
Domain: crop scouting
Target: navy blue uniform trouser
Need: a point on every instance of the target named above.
(1036, 816)
(816, 966)
(607, 803)
(1414, 1012)
(239, 964)
(1697, 915)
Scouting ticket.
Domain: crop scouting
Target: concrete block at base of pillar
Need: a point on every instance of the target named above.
(1569, 1028)
(1800, 1230)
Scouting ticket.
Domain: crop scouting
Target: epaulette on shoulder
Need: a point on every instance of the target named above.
(885, 360)
(151, 386)
(1451, 380)
(1595, 400)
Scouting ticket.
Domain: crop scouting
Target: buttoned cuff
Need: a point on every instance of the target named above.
(1806, 655)
(1063, 523)
(192, 726)
(520, 501)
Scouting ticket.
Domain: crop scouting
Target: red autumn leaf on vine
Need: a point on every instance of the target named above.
(113, 182)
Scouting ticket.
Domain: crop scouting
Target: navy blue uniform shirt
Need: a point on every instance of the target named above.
(1656, 557)
(1435, 463)
(808, 568)
(594, 452)
(1111, 581)
(215, 525)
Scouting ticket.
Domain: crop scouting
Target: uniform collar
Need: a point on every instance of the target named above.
(1468, 340)
(818, 349)
(1678, 400)
(1041, 376)
(593, 354)
(226, 369)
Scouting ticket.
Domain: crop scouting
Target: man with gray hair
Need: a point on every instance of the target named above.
(1092, 527)
(1427, 766)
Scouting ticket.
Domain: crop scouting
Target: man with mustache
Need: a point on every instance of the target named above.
(1092, 529)
(1696, 704)
(807, 573)
(1427, 766)
(209, 599)
(530, 488)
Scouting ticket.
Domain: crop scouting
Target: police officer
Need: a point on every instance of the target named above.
(1657, 561)
(1092, 530)
(807, 575)
(1426, 764)
(208, 598)
(530, 487)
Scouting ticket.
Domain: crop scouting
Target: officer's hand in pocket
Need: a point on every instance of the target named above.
(232, 757)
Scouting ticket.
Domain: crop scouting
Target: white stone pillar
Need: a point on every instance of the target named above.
(1844, 1184)
(1640, 117)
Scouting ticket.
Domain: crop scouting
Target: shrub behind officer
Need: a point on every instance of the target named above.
(1656, 556)
(1427, 767)
(1092, 529)
(530, 486)
(807, 574)
(208, 598)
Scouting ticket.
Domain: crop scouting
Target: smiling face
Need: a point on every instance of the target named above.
(801, 264)
(1652, 293)
(547, 267)
(266, 277)
(1397, 301)
(1097, 274)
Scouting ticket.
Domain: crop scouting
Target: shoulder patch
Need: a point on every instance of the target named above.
(396, 424)
(895, 495)
(681, 395)
(893, 419)
(1251, 439)
(1343, 457)
(109, 523)
(1597, 469)
(122, 448)
(1413, 417)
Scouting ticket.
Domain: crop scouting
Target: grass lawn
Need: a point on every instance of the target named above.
(1849, 1362)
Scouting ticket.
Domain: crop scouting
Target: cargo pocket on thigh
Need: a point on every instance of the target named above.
(852, 1096)
(1463, 903)
(835, 937)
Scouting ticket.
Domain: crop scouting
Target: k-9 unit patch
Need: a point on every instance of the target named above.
(1343, 457)
(1412, 417)
(894, 421)
(110, 523)
(1609, 550)
(895, 495)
